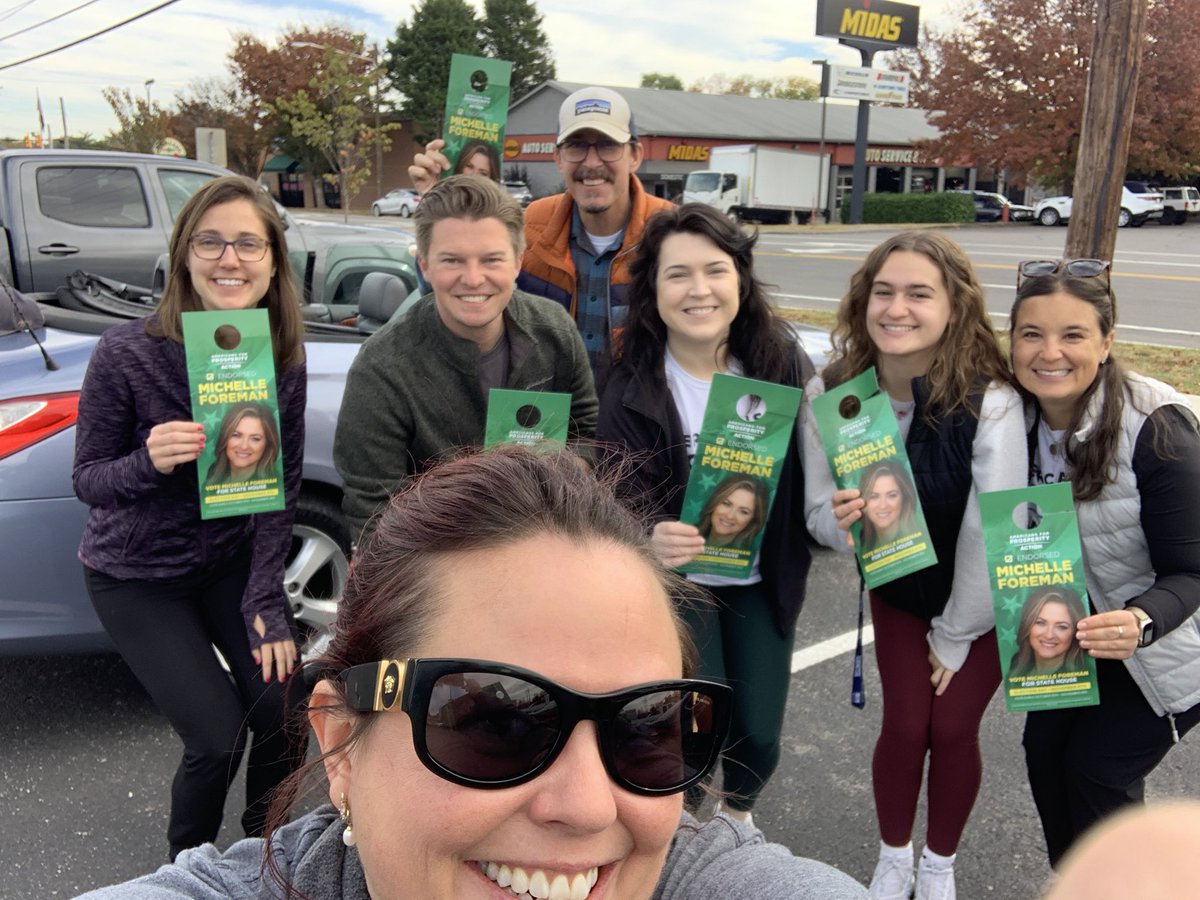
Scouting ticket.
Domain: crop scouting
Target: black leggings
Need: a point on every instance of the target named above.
(165, 631)
(1088, 762)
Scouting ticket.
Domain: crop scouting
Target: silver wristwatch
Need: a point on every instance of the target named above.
(1145, 625)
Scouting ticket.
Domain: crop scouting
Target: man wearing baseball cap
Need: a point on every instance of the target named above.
(579, 243)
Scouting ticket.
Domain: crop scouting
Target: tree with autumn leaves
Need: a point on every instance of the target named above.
(1007, 88)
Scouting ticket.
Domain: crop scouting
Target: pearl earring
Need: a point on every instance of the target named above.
(344, 811)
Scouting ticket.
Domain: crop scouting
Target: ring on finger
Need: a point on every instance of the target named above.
(1120, 631)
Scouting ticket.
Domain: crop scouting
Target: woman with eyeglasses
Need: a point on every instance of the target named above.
(506, 709)
(1130, 449)
(696, 309)
(915, 312)
(167, 586)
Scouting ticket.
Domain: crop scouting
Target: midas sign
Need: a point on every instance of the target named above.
(689, 152)
(881, 21)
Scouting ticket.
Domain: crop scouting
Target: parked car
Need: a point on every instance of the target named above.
(1180, 204)
(111, 214)
(400, 202)
(520, 192)
(1136, 209)
(989, 207)
(44, 607)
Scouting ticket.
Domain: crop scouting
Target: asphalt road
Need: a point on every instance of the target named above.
(87, 762)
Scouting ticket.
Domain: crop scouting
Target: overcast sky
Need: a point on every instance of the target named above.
(610, 42)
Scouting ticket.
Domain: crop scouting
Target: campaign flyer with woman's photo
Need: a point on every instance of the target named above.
(739, 457)
(1035, 568)
(231, 372)
(476, 113)
(862, 442)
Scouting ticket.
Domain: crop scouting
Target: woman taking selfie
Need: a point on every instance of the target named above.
(506, 711)
(1129, 446)
(696, 309)
(167, 586)
(915, 312)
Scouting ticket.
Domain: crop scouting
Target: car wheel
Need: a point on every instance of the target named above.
(735, 215)
(1168, 216)
(1180, 217)
(405, 212)
(1123, 218)
(375, 210)
(1048, 216)
(317, 565)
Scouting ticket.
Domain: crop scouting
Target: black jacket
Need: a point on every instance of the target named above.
(639, 427)
(940, 458)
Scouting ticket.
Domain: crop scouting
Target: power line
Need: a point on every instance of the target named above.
(47, 21)
(8, 13)
(96, 34)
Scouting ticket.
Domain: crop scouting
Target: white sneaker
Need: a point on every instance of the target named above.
(893, 878)
(935, 878)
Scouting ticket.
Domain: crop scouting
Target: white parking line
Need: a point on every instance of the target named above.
(828, 649)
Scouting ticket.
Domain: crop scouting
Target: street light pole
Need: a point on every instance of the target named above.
(378, 145)
(148, 82)
(824, 64)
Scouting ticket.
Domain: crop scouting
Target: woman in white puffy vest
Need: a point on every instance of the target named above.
(1130, 448)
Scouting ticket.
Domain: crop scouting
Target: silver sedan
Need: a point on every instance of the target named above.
(400, 202)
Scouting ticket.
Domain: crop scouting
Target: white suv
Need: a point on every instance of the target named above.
(1136, 209)
(1180, 204)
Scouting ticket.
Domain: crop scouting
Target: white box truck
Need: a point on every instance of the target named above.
(762, 184)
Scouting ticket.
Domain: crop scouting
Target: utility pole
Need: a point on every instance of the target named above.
(1107, 124)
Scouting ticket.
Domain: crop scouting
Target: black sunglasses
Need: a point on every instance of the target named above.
(487, 725)
(1080, 268)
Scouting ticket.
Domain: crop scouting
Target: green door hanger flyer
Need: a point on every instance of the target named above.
(527, 418)
(231, 372)
(863, 445)
(1035, 568)
(739, 456)
(476, 111)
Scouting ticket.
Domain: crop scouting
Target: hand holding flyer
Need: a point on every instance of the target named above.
(862, 442)
(476, 113)
(1035, 565)
(231, 371)
(744, 437)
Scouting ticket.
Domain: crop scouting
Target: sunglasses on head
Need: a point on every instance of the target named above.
(487, 725)
(1080, 268)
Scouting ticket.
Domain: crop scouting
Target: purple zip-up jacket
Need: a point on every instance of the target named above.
(144, 525)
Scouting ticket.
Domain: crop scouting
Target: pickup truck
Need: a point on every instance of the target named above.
(111, 214)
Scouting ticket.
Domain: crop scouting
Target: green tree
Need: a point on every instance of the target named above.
(512, 30)
(1008, 83)
(141, 124)
(263, 72)
(327, 118)
(218, 103)
(419, 59)
(661, 81)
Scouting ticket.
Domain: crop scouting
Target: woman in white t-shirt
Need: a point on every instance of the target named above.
(696, 309)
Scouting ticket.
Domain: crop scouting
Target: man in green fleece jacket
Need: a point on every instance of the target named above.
(417, 391)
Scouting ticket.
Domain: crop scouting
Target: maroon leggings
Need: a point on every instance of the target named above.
(916, 723)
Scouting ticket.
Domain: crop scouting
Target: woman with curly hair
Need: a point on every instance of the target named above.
(915, 313)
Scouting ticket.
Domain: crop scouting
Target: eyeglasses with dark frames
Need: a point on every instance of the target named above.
(1080, 268)
(247, 249)
(576, 151)
(487, 725)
